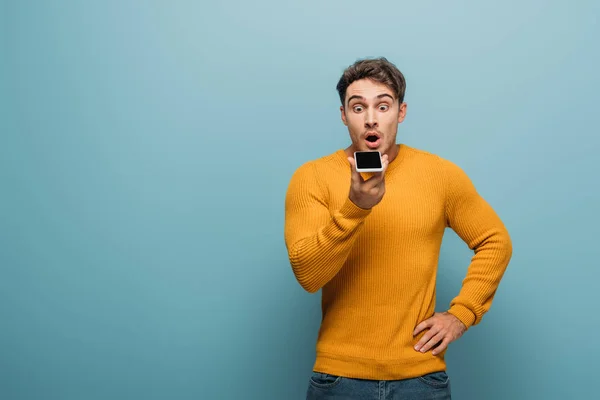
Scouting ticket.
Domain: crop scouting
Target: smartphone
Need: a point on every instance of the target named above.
(368, 161)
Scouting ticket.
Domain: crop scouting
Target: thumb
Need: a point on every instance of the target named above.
(351, 161)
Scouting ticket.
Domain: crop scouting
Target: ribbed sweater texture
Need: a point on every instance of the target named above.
(377, 268)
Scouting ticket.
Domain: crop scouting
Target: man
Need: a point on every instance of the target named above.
(371, 242)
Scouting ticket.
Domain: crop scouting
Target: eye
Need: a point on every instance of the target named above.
(384, 107)
(357, 108)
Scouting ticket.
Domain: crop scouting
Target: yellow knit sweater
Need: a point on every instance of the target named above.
(377, 268)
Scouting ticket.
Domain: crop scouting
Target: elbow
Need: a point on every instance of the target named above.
(507, 246)
(502, 248)
(306, 281)
(497, 244)
(310, 270)
(306, 276)
(310, 288)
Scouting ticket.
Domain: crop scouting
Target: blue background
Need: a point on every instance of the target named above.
(146, 148)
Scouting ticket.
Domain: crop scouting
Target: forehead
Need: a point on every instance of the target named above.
(368, 89)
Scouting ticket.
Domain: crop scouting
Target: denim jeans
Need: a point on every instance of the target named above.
(431, 386)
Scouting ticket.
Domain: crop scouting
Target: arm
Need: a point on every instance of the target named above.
(318, 241)
(477, 224)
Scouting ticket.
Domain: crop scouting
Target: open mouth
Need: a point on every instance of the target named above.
(373, 140)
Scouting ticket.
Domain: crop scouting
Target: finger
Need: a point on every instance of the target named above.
(441, 347)
(439, 337)
(384, 164)
(385, 161)
(425, 339)
(378, 179)
(356, 176)
(428, 323)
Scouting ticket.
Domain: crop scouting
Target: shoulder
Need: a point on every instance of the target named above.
(312, 174)
(432, 159)
(447, 173)
(321, 165)
(425, 160)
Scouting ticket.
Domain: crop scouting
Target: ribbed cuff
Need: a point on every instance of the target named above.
(351, 210)
(465, 315)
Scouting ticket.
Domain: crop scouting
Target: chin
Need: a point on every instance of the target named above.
(382, 149)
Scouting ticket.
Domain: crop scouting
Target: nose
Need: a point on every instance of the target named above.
(370, 119)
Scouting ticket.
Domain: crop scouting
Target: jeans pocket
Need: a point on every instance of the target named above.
(324, 381)
(436, 379)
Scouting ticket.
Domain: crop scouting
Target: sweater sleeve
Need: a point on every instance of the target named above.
(318, 241)
(478, 225)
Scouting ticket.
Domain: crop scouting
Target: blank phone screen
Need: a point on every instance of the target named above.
(368, 159)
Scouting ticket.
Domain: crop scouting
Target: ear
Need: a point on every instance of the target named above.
(402, 112)
(343, 115)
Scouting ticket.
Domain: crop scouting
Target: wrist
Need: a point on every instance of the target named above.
(355, 201)
(463, 314)
(352, 208)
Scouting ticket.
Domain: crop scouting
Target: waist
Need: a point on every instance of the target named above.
(406, 367)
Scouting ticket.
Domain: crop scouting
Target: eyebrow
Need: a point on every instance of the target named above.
(362, 98)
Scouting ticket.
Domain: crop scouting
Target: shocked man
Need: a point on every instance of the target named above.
(371, 243)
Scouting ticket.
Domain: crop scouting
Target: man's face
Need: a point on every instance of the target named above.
(372, 114)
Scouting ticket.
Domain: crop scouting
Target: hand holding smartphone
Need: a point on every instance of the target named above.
(367, 193)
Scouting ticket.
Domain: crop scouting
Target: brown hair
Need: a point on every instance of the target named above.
(376, 69)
